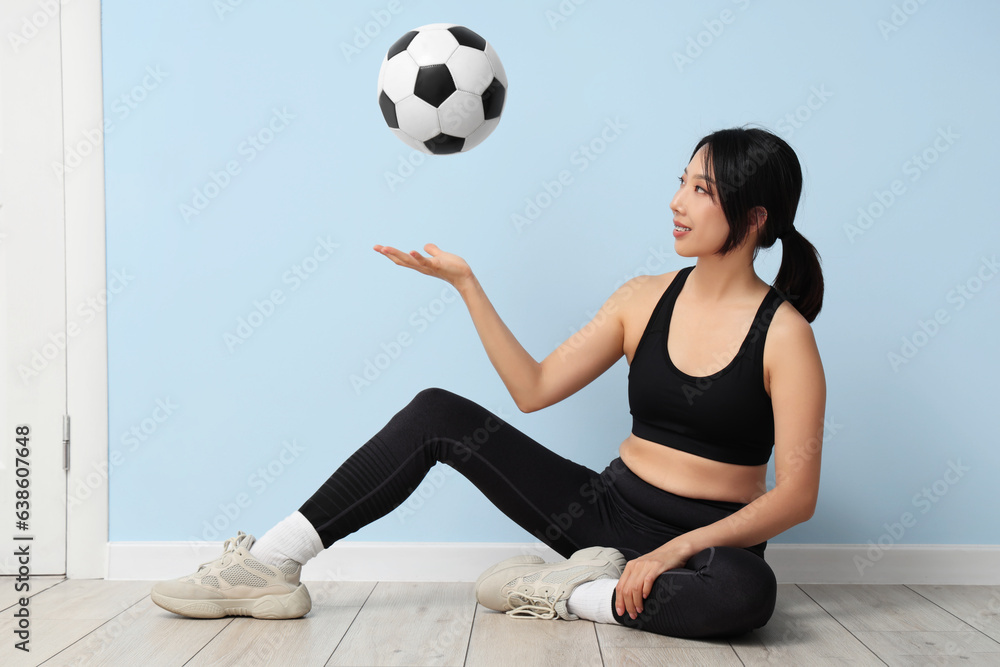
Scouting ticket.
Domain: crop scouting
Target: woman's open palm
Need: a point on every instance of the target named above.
(444, 265)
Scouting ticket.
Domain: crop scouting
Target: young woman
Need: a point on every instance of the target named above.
(670, 537)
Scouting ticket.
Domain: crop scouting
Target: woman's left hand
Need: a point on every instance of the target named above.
(639, 574)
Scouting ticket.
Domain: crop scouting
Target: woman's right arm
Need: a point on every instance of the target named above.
(518, 369)
(579, 360)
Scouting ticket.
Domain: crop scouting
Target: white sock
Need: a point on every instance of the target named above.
(591, 601)
(293, 537)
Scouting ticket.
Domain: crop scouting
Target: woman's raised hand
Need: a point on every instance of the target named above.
(444, 265)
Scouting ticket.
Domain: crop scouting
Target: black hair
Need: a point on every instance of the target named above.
(753, 167)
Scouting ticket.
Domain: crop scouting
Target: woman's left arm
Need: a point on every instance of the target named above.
(798, 398)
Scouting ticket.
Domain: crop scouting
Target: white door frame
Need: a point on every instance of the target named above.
(33, 476)
(86, 277)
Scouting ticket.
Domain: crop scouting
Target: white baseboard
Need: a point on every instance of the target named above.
(464, 561)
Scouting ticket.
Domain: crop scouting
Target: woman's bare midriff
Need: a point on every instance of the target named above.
(691, 476)
(697, 333)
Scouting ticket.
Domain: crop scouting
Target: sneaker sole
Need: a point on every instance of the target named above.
(291, 605)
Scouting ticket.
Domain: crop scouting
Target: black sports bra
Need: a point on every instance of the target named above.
(726, 416)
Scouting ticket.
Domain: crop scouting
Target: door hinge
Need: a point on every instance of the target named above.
(65, 442)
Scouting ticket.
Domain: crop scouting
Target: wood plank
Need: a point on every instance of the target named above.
(339, 593)
(97, 622)
(47, 638)
(309, 640)
(977, 660)
(144, 634)
(669, 657)
(979, 606)
(499, 640)
(147, 635)
(9, 596)
(68, 610)
(800, 632)
(407, 623)
(896, 647)
(88, 598)
(882, 607)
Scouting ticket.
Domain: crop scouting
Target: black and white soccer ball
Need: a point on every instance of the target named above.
(442, 88)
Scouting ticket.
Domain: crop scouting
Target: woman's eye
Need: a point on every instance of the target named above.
(697, 187)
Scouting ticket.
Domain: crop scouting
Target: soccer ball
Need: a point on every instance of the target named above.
(441, 88)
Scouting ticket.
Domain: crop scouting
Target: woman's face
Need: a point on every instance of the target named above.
(696, 206)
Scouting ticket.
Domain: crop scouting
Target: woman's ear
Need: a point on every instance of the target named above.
(758, 216)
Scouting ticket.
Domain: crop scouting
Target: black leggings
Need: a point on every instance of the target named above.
(721, 591)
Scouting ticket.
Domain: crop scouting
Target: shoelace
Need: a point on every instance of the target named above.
(539, 607)
(229, 548)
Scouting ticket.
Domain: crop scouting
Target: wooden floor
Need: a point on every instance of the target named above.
(97, 622)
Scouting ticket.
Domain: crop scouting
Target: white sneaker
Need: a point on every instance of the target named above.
(236, 584)
(528, 587)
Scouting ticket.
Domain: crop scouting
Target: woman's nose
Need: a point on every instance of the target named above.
(676, 203)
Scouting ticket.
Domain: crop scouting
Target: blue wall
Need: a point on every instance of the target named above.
(208, 435)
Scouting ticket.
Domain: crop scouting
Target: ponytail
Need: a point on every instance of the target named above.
(756, 168)
(800, 278)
